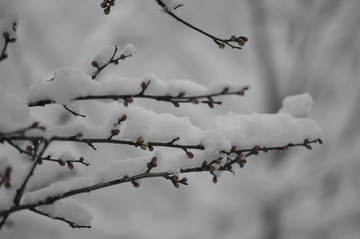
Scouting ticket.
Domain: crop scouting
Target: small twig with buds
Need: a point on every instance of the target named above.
(240, 41)
(112, 60)
(8, 39)
(73, 112)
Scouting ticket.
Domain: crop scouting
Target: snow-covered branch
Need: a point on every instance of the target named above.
(75, 85)
(115, 174)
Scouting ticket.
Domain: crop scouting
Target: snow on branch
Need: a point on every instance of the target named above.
(70, 85)
(68, 211)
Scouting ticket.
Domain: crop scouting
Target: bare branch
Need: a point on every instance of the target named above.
(8, 39)
(112, 60)
(240, 41)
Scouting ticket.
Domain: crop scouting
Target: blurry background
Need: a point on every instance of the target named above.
(295, 46)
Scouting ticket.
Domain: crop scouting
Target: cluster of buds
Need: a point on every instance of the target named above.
(176, 182)
(128, 101)
(239, 159)
(106, 5)
(5, 177)
(208, 166)
(69, 163)
(307, 144)
(241, 40)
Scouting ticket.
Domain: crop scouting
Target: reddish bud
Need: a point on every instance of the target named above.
(12, 39)
(214, 179)
(308, 146)
(61, 162)
(226, 89)
(285, 147)
(70, 165)
(135, 184)
(174, 178)
(176, 184)
(211, 105)
(123, 118)
(320, 141)
(190, 155)
(151, 148)
(95, 64)
(233, 148)
(244, 38)
(35, 125)
(194, 101)
(115, 132)
(256, 148)
(126, 178)
(29, 148)
(143, 85)
(181, 94)
(176, 104)
(204, 163)
(217, 161)
(211, 168)
(81, 159)
(306, 141)
(154, 160)
(233, 38)
(183, 180)
(116, 62)
(40, 161)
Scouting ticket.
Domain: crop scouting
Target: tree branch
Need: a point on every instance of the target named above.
(112, 60)
(176, 100)
(71, 224)
(8, 39)
(240, 41)
(205, 167)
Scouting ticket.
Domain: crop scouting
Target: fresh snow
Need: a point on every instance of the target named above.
(68, 209)
(297, 105)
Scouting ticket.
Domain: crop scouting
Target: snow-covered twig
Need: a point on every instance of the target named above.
(204, 167)
(20, 191)
(176, 100)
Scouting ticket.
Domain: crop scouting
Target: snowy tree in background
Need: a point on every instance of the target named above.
(167, 146)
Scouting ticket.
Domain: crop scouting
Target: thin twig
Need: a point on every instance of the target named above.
(71, 224)
(217, 40)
